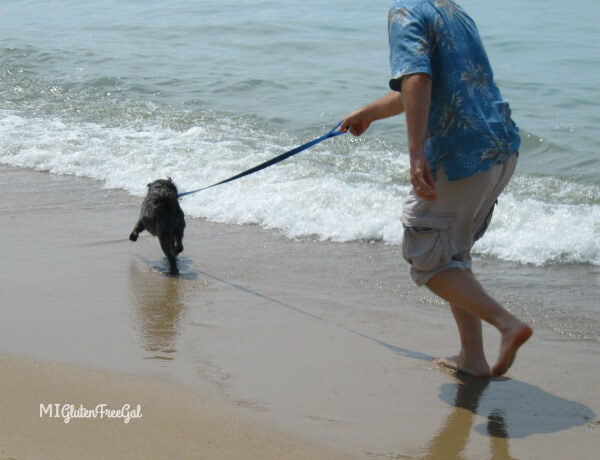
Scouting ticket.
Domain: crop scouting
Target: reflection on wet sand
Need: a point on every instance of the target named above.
(496, 428)
(159, 309)
(451, 440)
(513, 409)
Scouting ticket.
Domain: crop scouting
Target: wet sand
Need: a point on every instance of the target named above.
(327, 341)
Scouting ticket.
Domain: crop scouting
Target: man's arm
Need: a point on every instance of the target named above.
(359, 120)
(416, 96)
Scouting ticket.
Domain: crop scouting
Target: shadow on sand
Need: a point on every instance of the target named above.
(524, 408)
(512, 409)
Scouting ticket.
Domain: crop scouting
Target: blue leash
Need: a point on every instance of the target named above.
(334, 132)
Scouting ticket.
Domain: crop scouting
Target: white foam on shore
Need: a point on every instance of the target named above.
(538, 232)
(342, 190)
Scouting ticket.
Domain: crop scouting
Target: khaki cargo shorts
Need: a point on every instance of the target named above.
(439, 234)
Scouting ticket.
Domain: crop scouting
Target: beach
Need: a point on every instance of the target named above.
(294, 329)
(294, 347)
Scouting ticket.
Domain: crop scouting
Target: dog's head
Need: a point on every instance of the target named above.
(163, 184)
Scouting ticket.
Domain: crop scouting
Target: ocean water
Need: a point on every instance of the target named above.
(130, 91)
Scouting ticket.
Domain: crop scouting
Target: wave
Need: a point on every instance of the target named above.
(342, 190)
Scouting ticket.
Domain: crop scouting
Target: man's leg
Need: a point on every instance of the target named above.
(461, 289)
(471, 358)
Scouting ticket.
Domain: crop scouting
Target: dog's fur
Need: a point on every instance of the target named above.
(162, 217)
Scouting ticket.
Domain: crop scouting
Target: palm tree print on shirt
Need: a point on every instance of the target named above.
(476, 77)
(428, 138)
(454, 116)
(499, 151)
(399, 16)
(443, 38)
(506, 120)
(452, 9)
(426, 45)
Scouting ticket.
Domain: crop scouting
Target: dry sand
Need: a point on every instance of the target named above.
(175, 422)
(327, 341)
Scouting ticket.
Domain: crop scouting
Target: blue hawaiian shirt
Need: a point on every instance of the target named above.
(469, 128)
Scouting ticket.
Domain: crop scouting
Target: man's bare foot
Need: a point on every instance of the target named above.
(476, 368)
(512, 339)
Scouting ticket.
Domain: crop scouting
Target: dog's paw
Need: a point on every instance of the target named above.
(179, 249)
(133, 236)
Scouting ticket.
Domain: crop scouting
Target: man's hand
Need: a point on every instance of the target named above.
(357, 122)
(420, 177)
(360, 120)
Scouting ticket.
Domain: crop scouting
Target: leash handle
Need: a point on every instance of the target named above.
(333, 133)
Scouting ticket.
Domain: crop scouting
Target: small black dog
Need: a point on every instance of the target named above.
(162, 217)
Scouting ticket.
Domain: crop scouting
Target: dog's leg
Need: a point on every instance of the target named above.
(139, 227)
(166, 243)
(179, 242)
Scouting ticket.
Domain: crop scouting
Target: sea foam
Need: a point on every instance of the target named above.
(341, 190)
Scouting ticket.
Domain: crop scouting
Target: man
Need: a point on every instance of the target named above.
(463, 149)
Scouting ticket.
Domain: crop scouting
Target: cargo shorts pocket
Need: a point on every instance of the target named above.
(426, 243)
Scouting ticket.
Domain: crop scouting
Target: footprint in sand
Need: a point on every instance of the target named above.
(251, 404)
(326, 419)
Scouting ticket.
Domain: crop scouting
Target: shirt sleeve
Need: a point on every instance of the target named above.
(411, 43)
